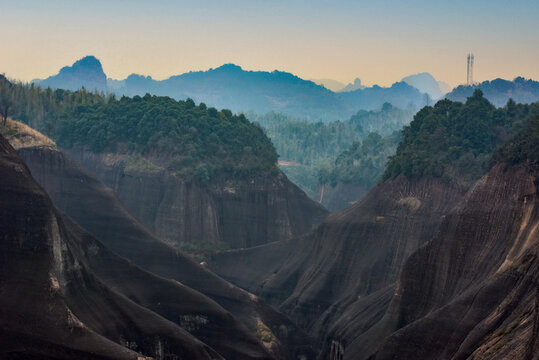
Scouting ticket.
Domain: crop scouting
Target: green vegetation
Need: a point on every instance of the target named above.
(190, 140)
(310, 143)
(21, 136)
(43, 109)
(523, 148)
(202, 251)
(363, 163)
(313, 147)
(264, 333)
(454, 140)
(201, 141)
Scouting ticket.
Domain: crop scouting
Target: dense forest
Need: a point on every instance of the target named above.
(455, 140)
(523, 148)
(363, 163)
(190, 140)
(311, 147)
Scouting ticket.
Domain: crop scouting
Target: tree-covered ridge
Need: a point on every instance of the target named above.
(188, 139)
(43, 109)
(196, 138)
(363, 163)
(523, 148)
(454, 140)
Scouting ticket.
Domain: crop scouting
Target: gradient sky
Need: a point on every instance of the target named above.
(378, 41)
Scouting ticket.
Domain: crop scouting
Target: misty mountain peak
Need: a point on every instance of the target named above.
(426, 83)
(88, 62)
(86, 72)
(229, 68)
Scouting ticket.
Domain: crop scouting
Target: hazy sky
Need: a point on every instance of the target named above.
(378, 41)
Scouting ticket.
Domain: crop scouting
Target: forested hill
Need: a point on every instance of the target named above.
(189, 139)
(523, 148)
(455, 141)
(499, 91)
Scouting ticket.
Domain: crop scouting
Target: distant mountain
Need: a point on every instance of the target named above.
(356, 85)
(87, 72)
(445, 87)
(231, 87)
(499, 91)
(329, 84)
(426, 83)
(400, 95)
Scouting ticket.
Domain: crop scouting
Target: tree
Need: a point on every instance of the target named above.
(6, 98)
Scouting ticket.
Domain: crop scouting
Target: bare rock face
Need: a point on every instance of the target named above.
(96, 208)
(350, 262)
(245, 212)
(52, 303)
(472, 291)
(341, 196)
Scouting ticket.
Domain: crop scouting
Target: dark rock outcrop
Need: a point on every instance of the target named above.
(472, 291)
(52, 304)
(245, 212)
(341, 196)
(353, 255)
(96, 208)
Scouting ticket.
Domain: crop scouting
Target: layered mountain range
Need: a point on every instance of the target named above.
(499, 91)
(231, 87)
(439, 260)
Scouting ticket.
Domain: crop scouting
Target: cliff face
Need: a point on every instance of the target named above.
(52, 303)
(341, 196)
(472, 291)
(242, 213)
(96, 208)
(353, 254)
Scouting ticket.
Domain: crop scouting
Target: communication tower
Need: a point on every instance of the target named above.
(469, 69)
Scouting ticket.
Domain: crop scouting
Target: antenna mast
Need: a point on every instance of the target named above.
(469, 69)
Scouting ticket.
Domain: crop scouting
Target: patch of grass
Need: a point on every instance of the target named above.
(201, 251)
(21, 136)
(264, 333)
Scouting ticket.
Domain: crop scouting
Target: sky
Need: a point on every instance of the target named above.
(378, 41)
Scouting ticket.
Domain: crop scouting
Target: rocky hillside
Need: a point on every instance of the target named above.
(239, 212)
(340, 196)
(476, 281)
(84, 198)
(64, 295)
(338, 281)
(352, 254)
(190, 173)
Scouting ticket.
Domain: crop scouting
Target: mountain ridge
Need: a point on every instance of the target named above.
(229, 86)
